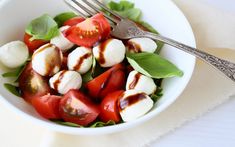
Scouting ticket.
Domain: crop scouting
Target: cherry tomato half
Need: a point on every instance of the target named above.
(109, 108)
(32, 84)
(33, 45)
(109, 81)
(75, 107)
(73, 21)
(47, 106)
(90, 31)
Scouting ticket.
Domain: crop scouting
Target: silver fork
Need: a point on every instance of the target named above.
(123, 28)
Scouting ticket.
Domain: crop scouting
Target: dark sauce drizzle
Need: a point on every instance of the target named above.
(130, 100)
(79, 64)
(135, 81)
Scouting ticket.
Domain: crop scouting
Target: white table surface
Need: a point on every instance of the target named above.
(216, 128)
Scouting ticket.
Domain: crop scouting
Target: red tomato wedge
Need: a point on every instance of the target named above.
(104, 25)
(75, 107)
(47, 106)
(109, 108)
(33, 45)
(89, 32)
(32, 84)
(73, 21)
(109, 81)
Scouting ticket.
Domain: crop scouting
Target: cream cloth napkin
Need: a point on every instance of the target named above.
(215, 32)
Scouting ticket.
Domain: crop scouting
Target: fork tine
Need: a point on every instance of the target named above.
(107, 9)
(98, 11)
(70, 3)
(84, 8)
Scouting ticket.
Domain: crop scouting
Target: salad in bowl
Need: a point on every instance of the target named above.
(73, 72)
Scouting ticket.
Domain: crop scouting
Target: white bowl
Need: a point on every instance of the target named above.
(164, 16)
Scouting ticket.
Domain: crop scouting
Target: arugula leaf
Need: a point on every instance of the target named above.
(15, 73)
(61, 18)
(94, 125)
(87, 77)
(157, 95)
(153, 65)
(102, 124)
(61, 122)
(43, 27)
(12, 89)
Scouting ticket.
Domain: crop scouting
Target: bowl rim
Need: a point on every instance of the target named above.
(108, 129)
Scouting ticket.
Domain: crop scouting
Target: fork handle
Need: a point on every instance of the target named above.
(226, 67)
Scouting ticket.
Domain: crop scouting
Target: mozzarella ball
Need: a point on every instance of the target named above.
(47, 60)
(61, 41)
(65, 80)
(140, 83)
(138, 45)
(14, 54)
(110, 52)
(80, 60)
(134, 104)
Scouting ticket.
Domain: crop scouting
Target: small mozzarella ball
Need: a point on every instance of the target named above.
(47, 60)
(61, 41)
(14, 54)
(110, 52)
(80, 60)
(64, 80)
(138, 45)
(134, 104)
(141, 83)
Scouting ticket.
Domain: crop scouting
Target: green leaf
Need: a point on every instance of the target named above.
(12, 89)
(94, 125)
(126, 9)
(133, 14)
(153, 65)
(43, 27)
(87, 77)
(157, 95)
(61, 18)
(102, 124)
(15, 73)
(121, 6)
(61, 122)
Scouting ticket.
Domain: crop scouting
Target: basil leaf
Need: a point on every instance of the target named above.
(61, 18)
(43, 27)
(153, 65)
(102, 124)
(121, 6)
(12, 89)
(133, 14)
(67, 123)
(126, 9)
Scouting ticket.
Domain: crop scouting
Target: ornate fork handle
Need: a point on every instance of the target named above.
(226, 67)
